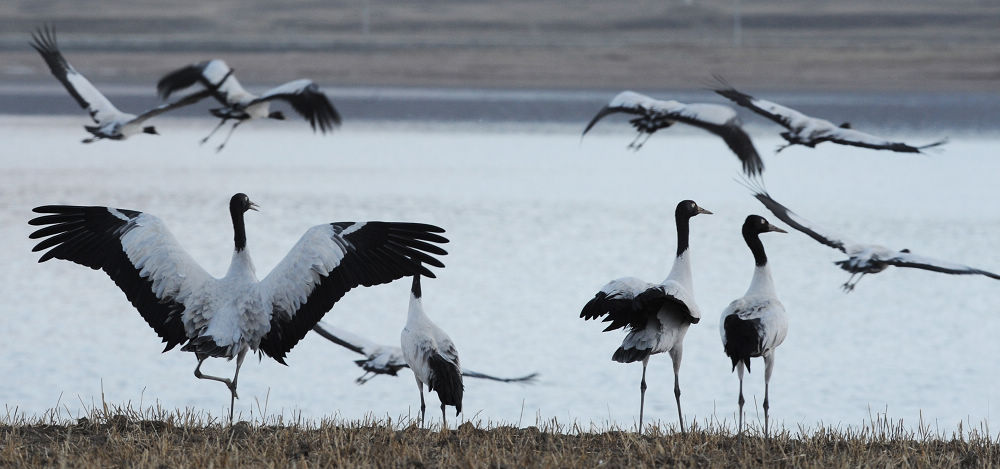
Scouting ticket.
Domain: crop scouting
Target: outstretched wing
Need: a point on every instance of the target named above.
(784, 116)
(629, 301)
(527, 379)
(657, 114)
(87, 96)
(905, 259)
(213, 75)
(331, 259)
(845, 136)
(136, 250)
(185, 101)
(799, 223)
(307, 100)
(366, 347)
(345, 339)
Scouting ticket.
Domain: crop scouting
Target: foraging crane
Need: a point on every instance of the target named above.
(230, 316)
(432, 356)
(240, 105)
(657, 315)
(755, 325)
(387, 359)
(111, 124)
(811, 131)
(864, 258)
(655, 114)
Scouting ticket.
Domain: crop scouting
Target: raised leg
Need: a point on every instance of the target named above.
(675, 356)
(231, 384)
(768, 365)
(739, 372)
(210, 134)
(642, 392)
(230, 134)
(198, 374)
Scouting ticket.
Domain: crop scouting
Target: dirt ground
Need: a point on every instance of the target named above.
(914, 45)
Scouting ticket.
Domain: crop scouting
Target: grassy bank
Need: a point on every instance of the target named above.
(156, 438)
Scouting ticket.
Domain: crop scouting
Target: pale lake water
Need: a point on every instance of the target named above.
(538, 220)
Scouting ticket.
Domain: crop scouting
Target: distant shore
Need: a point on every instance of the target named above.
(846, 46)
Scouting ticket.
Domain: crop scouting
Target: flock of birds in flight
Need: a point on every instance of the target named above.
(230, 316)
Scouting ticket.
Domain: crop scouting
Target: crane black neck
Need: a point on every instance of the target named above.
(239, 229)
(683, 230)
(752, 237)
(415, 288)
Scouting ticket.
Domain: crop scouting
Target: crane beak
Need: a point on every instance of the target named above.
(702, 211)
(254, 207)
(775, 228)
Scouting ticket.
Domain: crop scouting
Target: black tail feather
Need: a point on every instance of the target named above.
(446, 379)
(742, 340)
(624, 355)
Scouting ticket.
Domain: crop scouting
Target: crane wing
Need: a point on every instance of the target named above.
(307, 100)
(655, 114)
(846, 136)
(136, 250)
(87, 96)
(185, 101)
(629, 301)
(801, 224)
(213, 75)
(905, 259)
(331, 259)
(783, 116)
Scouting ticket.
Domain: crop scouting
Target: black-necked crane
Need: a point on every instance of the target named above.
(755, 325)
(654, 114)
(230, 316)
(431, 355)
(110, 123)
(811, 131)
(864, 258)
(387, 360)
(657, 314)
(240, 105)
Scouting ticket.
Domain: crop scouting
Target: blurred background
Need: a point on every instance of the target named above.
(577, 44)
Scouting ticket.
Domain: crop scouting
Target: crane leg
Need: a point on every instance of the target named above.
(739, 372)
(423, 406)
(210, 134)
(444, 421)
(230, 134)
(228, 382)
(675, 356)
(768, 365)
(849, 286)
(643, 142)
(642, 393)
(232, 399)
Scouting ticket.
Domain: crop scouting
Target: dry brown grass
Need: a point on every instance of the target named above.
(156, 438)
